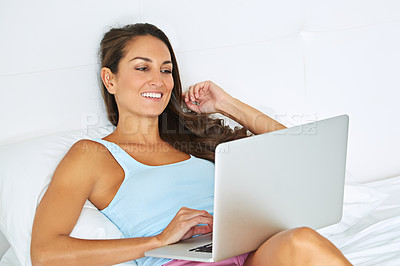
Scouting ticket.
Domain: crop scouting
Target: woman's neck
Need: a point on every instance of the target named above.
(131, 129)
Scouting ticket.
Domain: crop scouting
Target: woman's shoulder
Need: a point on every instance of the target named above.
(86, 145)
(87, 151)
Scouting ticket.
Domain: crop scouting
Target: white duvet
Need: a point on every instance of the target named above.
(372, 233)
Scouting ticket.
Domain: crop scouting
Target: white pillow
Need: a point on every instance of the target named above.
(26, 171)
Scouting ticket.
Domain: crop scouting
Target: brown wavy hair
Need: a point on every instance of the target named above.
(185, 130)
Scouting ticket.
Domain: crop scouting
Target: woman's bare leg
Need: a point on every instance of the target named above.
(299, 246)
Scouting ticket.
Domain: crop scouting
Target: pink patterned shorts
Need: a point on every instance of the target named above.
(235, 261)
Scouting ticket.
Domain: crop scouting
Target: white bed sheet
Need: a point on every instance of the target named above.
(369, 233)
(375, 238)
(9, 258)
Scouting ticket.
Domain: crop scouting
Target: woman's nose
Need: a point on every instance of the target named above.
(155, 78)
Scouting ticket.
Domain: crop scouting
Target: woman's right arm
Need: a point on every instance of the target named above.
(59, 210)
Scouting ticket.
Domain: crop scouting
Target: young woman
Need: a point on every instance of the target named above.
(153, 176)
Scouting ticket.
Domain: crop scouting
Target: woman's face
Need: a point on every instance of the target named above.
(144, 81)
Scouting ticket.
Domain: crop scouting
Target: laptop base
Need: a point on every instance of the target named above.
(181, 249)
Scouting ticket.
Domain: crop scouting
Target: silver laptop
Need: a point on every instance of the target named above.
(268, 183)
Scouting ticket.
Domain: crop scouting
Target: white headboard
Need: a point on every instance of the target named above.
(298, 61)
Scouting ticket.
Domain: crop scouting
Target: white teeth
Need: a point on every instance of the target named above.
(152, 94)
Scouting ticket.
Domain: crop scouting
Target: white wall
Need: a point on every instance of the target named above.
(352, 64)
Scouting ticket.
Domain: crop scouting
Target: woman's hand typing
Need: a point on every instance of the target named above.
(185, 225)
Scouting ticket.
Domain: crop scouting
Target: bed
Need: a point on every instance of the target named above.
(297, 61)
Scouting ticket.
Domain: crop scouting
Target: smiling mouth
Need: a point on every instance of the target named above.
(153, 95)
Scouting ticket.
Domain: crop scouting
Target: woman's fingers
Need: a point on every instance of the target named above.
(191, 94)
(204, 97)
(202, 229)
(188, 95)
(187, 98)
(195, 92)
(198, 230)
(191, 219)
(193, 107)
(185, 224)
(187, 213)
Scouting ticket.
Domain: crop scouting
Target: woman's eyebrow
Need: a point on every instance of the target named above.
(149, 60)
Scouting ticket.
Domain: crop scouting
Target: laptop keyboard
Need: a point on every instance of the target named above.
(206, 248)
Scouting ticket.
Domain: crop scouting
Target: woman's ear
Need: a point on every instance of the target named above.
(108, 79)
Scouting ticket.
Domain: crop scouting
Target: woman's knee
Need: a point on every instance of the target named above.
(299, 241)
(302, 245)
(285, 246)
(304, 239)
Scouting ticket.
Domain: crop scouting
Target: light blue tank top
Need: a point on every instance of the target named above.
(150, 196)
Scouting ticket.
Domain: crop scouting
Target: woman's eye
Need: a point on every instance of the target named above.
(145, 69)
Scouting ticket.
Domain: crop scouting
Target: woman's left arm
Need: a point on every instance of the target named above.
(213, 99)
